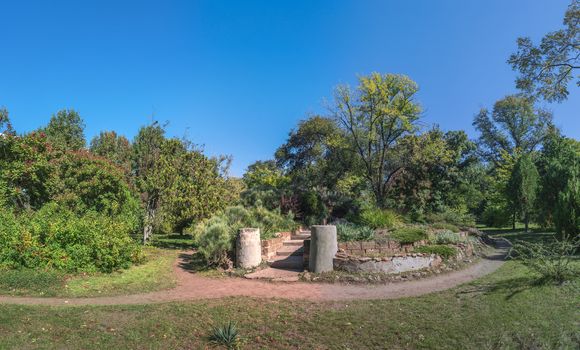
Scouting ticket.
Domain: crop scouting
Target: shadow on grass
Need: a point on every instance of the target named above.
(192, 262)
(511, 287)
(173, 241)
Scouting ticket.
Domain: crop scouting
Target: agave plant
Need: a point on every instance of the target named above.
(226, 335)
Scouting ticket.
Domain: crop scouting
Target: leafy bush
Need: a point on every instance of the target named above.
(552, 260)
(447, 237)
(55, 237)
(226, 335)
(455, 217)
(445, 226)
(215, 237)
(347, 232)
(443, 251)
(496, 216)
(376, 218)
(409, 235)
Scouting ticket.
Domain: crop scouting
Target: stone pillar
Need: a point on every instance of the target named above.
(323, 248)
(248, 248)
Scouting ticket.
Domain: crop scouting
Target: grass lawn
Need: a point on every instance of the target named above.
(503, 310)
(155, 274)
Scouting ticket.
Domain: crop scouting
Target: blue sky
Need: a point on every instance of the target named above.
(236, 76)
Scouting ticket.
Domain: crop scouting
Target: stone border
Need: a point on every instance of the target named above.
(383, 247)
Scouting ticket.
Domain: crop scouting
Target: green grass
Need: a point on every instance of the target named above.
(154, 274)
(173, 241)
(503, 308)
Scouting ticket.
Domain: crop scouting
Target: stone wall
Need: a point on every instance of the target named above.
(392, 264)
(386, 247)
(272, 245)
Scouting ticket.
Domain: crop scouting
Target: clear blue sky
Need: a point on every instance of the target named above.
(236, 76)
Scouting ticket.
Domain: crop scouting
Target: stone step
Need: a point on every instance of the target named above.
(294, 243)
(300, 236)
(289, 262)
(290, 251)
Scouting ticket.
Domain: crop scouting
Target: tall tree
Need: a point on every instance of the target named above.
(514, 125)
(114, 147)
(547, 69)
(65, 130)
(523, 187)
(375, 116)
(316, 157)
(559, 167)
(146, 158)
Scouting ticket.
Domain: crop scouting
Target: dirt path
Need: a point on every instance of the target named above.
(191, 286)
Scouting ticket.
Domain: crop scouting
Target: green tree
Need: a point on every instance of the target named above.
(114, 147)
(514, 125)
(316, 158)
(547, 69)
(523, 187)
(375, 116)
(5, 125)
(65, 130)
(559, 167)
(265, 183)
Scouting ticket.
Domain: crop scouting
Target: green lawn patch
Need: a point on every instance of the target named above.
(156, 273)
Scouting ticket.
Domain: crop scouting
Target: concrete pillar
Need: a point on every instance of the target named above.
(323, 248)
(248, 248)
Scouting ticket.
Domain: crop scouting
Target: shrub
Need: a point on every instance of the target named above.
(495, 216)
(56, 237)
(215, 237)
(552, 260)
(376, 218)
(215, 242)
(350, 232)
(443, 251)
(447, 237)
(455, 217)
(445, 226)
(226, 335)
(409, 235)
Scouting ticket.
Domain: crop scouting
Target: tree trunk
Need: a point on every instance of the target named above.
(527, 221)
(514, 221)
(148, 225)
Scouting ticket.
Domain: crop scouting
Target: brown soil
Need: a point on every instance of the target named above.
(192, 286)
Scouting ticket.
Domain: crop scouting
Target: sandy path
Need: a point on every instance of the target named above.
(191, 286)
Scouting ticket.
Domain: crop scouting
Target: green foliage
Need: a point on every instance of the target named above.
(375, 117)
(515, 126)
(377, 218)
(552, 260)
(115, 148)
(559, 167)
(445, 226)
(215, 236)
(455, 217)
(523, 186)
(226, 335)
(408, 235)
(56, 237)
(547, 69)
(447, 237)
(443, 251)
(347, 232)
(496, 216)
(265, 184)
(65, 130)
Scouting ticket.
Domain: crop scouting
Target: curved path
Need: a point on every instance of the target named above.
(191, 286)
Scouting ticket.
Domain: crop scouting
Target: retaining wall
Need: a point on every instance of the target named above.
(272, 245)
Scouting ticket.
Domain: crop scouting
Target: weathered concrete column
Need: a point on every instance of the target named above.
(323, 248)
(248, 248)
